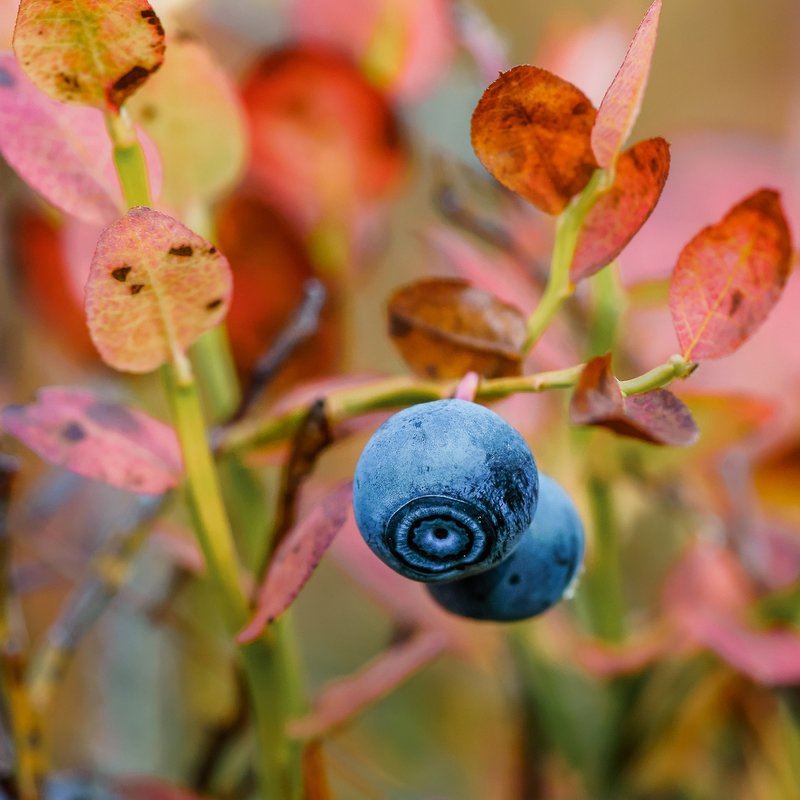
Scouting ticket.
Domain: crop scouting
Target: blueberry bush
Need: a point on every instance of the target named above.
(361, 441)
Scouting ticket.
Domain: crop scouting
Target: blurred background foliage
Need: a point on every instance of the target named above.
(648, 703)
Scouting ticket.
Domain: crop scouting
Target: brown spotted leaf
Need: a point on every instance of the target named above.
(297, 557)
(620, 212)
(620, 106)
(445, 328)
(347, 697)
(532, 131)
(657, 417)
(729, 277)
(120, 446)
(90, 52)
(154, 286)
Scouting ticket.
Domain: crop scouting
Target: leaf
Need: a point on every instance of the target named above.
(191, 110)
(296, 559)
(729, 277)
(111, 443)
(402, 47)
(88, 51)
(531, 130)
(154, 286)
(134, 788)
(445, 327)
(620, 106)
(657, 417)
(620, 212)
(326, 145)
(347, 697)
(62, 152)
(468, 387)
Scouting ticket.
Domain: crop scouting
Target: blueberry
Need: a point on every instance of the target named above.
(444, 489)
(537, 573)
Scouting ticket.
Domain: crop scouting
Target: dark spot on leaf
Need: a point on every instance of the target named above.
(214, 304)
(136, 288)
(6, 78)
(398, 327)
(654, 165)
(580, 108)
(147, 13)
(212, 250)
(736, 301)
(120, 273)
(148, 112)
(184, 250)
(128, 83)
(111, 415)
(73, 432)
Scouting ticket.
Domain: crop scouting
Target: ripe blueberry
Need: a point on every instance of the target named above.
(537, 573)
(444, 489)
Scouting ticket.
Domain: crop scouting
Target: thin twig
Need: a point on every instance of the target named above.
(303, 324)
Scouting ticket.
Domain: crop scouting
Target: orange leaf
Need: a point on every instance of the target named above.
(621, 103)
(445, 327)
(620, 212)
(154, 286)
(532, 131)
(657, 417)
(729, 277)
(89, 51)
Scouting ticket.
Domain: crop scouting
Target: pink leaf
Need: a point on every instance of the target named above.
(89, 52)
(467, 387)
(621, 211)
(347, 697)
(620, 107)
(730, 276)
(296, 559)
(154, 287)
(105, 441)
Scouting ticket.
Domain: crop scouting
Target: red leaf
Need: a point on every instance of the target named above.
(347, 697)
(154, 287)
(708, 594)
(105, 441)
(296, 559)
(62, 152)
(89, 52)
(130, 788)
(620, 212)
(620, 107)
(657, 417)
(729, 277)
(402, 47)
(531, 130)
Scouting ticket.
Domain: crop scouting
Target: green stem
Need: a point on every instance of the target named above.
(262, 660)
(656, 378)
(559, 286)
(601, 587)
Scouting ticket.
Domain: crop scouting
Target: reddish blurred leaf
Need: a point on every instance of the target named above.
(620, 212)
(270, 267)
(89, 52)
(444, 328)
(105, 441)
(403, 46)
(729, 277)
(347, 697)
(531, 130)
(296, 559)
(657, 417)
(130, 788)
(607, 660)
(708, 594)
(325, 143)
(620, 106)
(467, 387)
(37, 249)
(193, 113)
(153, 288)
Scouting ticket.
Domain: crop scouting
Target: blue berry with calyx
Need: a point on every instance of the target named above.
(444, 489)
(539, 572)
